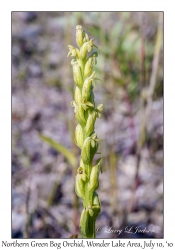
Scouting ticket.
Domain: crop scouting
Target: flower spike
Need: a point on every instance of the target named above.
(86, 112)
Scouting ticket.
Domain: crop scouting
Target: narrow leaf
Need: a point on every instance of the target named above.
(60, 148)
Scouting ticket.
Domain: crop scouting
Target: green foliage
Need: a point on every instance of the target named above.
(60, 148)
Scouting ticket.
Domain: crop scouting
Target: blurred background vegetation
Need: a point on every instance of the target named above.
(44, 155)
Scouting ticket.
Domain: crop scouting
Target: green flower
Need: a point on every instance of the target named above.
(73, 51)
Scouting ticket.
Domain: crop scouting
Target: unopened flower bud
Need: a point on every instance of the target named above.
(80, 116)
(79, 136)
(77, 95)
(88, 67)
(85, 152)
(88, 151)
(78, 79)
(79, 35)
(89, 64)
(94, 178)
(86, 90)
(86, 47)
(90, 123)
(79, 186)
